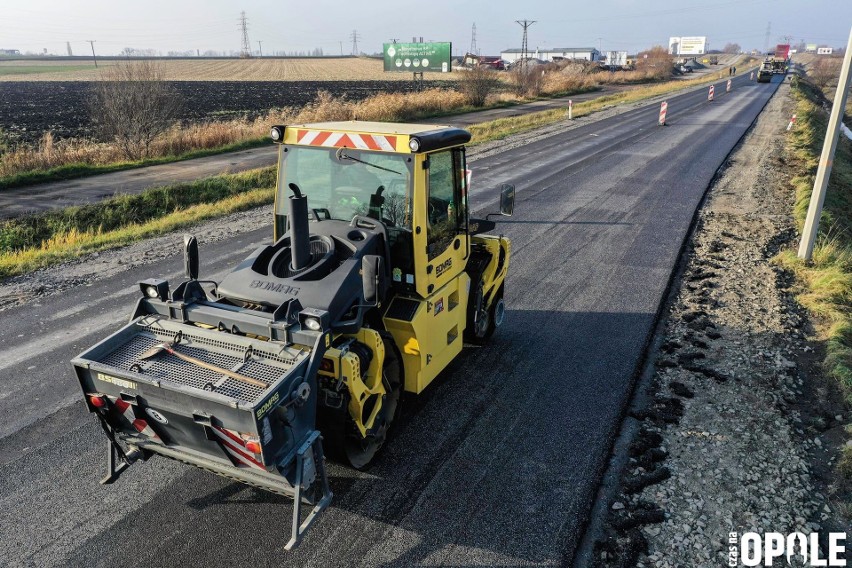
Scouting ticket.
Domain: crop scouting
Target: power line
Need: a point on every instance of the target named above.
(354, 37)
(524, 24)
(245, 50)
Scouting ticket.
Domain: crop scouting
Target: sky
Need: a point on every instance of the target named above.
(305, 25)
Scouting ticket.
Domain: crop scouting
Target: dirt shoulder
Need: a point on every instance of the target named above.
(741, 429)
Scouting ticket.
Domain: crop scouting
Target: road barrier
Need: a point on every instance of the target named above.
(792, 122)
(663, 107)
(710, 94)
(570, 109)
(751, 76)
(728, 88)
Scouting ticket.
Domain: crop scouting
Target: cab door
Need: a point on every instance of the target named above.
(446, 214)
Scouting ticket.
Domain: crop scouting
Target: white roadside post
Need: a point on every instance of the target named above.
(664, 106)
(710, 94)
(728, 88)
(751, 76)
(809, 233)
(570, 109)
(792, 122)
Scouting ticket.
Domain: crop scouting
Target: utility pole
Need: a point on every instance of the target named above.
(394, 39)
(354, 37)
(341, 48)
(809, 233)
(473, 49)
(260, 47)
(245, 50)
(524, 24)
(95, 59)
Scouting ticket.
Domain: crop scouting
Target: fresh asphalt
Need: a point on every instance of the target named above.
(496, 464)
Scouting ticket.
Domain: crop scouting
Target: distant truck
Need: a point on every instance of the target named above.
(782, 51)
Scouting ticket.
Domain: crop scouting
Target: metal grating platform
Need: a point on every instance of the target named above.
(252, 358)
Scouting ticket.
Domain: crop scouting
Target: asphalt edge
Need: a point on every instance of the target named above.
(583, 555)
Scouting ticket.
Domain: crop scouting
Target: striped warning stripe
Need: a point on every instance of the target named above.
(126, 410)
(346, 140)
(236, 448)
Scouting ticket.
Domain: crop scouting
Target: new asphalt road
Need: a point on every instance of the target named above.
(496, 464)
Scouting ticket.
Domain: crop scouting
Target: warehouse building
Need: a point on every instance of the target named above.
(553, 54)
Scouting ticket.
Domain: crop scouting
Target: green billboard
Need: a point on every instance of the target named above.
(418, 57)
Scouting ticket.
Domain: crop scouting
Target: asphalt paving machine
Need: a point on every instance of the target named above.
(375, 278)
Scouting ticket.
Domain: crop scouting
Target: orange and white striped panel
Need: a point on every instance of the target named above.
(236, 448)
(331, 139)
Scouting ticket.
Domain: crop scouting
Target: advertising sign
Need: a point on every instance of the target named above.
(824, 50)
(811, 47)
(693, 45)
(417, 57)
(616, 58)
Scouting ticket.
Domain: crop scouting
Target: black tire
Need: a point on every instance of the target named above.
(344, 442)
(483, 321)
(496, 313)
(477, 326)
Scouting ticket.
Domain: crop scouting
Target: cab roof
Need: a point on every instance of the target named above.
(378, 136)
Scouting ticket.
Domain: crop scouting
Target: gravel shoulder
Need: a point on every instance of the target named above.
(740, 429)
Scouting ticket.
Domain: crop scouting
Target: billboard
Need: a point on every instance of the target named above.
(811, 47)
(616, 57)
(417, 57)
(824, 50)
(693, 45)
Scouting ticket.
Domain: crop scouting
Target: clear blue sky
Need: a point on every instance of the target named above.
(303, 25)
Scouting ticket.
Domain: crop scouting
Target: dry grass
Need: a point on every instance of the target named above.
(50, 153)
(296, 69)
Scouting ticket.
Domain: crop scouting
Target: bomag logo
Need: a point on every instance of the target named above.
(266, 406)
(274, 287)
(443, 267)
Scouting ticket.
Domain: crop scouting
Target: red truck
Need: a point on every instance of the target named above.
(782, 51)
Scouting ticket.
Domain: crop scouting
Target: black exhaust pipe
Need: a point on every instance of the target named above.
(300, 236)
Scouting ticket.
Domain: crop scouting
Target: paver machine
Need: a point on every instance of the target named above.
(375, 278)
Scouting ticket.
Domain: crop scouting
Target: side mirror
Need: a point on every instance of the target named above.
(373, 278)
(507, 199)
(190, 256)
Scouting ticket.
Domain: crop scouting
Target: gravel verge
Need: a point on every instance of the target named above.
(739, 430)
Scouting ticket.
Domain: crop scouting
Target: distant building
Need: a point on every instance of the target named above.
(10, 52)
(695, 45)
(553, 54)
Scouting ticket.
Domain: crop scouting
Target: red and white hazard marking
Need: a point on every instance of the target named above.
(236, 448)
(792, 122)
(663, 108)
(126, 410)
(710, 94)
(728, 88)
(346, 140)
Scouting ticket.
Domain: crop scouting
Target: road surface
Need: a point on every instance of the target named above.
(496, 464)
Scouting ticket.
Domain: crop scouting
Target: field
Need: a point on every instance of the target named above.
(200, 69)
(30, 108)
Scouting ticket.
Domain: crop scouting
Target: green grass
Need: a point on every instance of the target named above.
(36, 241)
(30, 69)
(72, 171)
(827, 280)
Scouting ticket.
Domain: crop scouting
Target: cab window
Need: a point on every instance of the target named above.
(445, 207)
